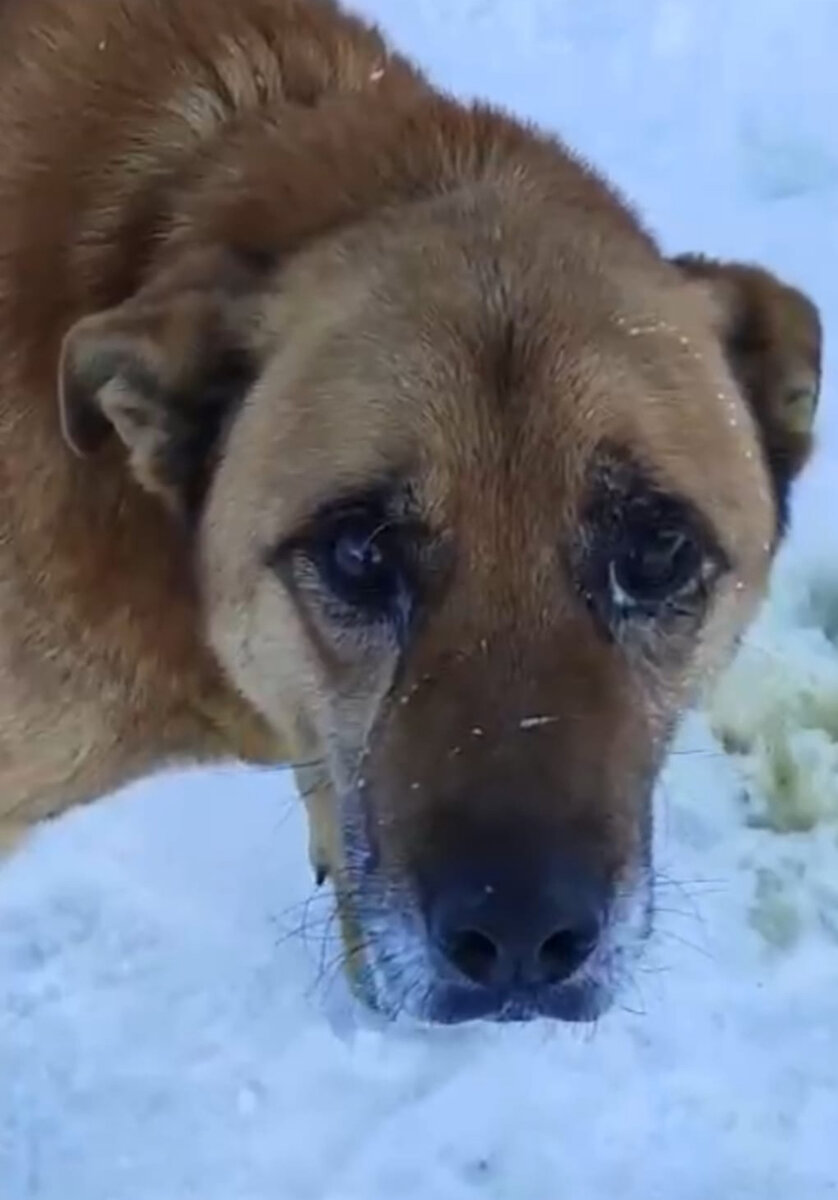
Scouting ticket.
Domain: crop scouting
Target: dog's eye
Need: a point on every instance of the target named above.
(359, 561)
(648, 560)
(655, 566)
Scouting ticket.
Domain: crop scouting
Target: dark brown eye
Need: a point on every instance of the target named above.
(358, 558)
(653, 566)
(646, 556)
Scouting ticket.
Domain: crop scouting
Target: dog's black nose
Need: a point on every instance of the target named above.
(509, 931)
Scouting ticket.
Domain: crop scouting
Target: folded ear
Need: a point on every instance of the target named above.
(163, 373)
(771, 334)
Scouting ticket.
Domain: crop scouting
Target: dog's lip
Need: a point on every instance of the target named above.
(583, 998)
(454, 1004)
(570, 1003)
(579, 1001)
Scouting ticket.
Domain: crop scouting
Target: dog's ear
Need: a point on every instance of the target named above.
(163, 371)
(771, 334)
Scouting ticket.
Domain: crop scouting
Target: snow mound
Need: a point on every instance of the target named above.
(776, 708)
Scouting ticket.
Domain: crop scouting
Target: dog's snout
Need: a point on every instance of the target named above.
(519, 932)
(489, 958)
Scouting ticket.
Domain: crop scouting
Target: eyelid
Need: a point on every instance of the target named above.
(309, 531)
(386, 503)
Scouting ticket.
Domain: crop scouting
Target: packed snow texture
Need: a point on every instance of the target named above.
(172, 1020)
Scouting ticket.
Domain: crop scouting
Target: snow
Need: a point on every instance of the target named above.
(172, 1023)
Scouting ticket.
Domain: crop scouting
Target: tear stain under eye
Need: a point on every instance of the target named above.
(359, 830)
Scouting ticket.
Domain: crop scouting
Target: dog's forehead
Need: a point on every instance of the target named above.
(505, 382)
(488, 364)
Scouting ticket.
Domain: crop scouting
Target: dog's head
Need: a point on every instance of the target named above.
(479, 495)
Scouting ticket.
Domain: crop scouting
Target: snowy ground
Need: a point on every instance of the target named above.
(171, 1025)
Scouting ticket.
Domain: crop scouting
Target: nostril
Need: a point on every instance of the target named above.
(474, 954)
(564, 952)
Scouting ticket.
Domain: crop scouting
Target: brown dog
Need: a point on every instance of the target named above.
(349, 426)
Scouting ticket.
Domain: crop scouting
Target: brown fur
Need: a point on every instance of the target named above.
(252, 251)
(775, 333)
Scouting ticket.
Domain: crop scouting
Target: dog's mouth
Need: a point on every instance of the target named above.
(393, 971)
(395, 967)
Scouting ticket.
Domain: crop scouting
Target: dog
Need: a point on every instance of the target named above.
(348, 426)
